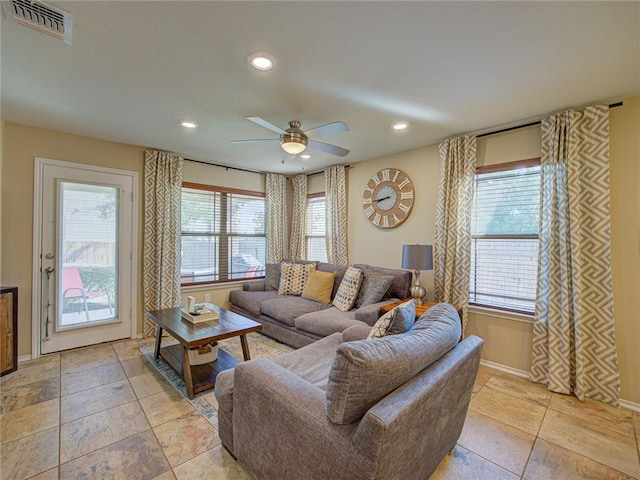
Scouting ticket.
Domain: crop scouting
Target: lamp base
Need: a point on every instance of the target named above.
(417, 291)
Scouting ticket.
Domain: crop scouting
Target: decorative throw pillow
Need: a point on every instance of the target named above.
(348, 290)
(272, 277)
(293, 277)
(404, 317)
(319, 286)
(374, 286)
(382, 326)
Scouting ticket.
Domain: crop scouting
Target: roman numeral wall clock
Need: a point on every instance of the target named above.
(387, 199)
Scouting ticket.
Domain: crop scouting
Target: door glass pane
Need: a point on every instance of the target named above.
(88, 253)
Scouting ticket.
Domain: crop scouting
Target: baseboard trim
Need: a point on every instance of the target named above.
(521, 373)
(24, 358)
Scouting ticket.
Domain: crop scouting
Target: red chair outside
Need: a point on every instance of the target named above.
(74, 288)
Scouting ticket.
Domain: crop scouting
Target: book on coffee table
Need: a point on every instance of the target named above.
(202, 312)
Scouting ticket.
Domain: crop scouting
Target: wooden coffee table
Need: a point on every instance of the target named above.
(200, 377)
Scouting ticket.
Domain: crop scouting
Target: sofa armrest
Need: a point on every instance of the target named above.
(278, 416)
(254, 286)
(370, 314)
(356, 332)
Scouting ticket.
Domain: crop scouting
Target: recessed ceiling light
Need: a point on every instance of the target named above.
(188, 124)
(305, 156)
(400, 126)
(261, 61)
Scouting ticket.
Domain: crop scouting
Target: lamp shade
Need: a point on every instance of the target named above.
(417, 257)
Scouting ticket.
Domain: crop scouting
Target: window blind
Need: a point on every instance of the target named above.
(316, 235)
(504, 233)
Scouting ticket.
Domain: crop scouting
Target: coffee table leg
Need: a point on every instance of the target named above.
(245, 347)
(156, 353)
(186, 368)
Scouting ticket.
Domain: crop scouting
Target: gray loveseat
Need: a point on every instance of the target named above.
(348, 408)
(298, 321)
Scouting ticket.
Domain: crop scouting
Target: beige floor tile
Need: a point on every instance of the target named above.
(164, 406)
(30, 374)
(506, 446)
(29, 420)
(616, 450)
(90, 433)
(214, 463)
(86, 379)
(48, 475)
(47, 358)
(550, 462)
(518, 413)
(127, 349)
(593, 411)
(521, 388)
(186, 437)
(135, 458)
(87, 358)
(168, 475)
(466, 465)
(484, 374)
(137, 366)
(30, 455)
(149, 384)
(95, 400)
(22, 396)
(636, 421)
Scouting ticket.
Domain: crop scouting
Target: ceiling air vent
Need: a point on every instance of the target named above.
(40, 16)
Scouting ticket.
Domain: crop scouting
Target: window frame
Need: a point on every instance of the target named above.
(493, 168)
(224, 235)
(312, 196)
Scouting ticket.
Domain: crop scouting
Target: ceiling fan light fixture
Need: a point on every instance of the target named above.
(293, 144)
(261, 61)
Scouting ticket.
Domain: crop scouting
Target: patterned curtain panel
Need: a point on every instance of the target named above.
(162, 231)
(336, 211)
(277, 221)
(452, 244)
(298, 248)
(574, 346)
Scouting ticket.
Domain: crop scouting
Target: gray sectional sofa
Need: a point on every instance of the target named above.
(349, 408)
(298, 321)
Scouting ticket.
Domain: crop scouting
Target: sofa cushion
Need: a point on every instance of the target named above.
(326, 322)
(374, 286)
(293, 277)
(348, 290)
(319, 286)
(250, 300)
(340, 271)
(382, 326)
(272, 277)
(365, 371)
(286, 309)
(401, 285)
(312, 362)
(404, 316)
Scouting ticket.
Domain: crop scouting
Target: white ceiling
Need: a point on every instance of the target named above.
(136, 68)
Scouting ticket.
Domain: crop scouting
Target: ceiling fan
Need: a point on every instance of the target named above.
(294, 141)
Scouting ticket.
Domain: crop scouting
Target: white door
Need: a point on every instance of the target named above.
(86, 236)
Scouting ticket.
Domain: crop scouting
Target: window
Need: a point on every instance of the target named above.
(223, 234)
(315, 236)
(504, 236)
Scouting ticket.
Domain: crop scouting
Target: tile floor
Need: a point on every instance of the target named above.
(105, 412)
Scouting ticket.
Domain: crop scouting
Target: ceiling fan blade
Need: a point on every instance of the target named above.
(327, 148)
(256, 140)
(328, 129)
(265, 124)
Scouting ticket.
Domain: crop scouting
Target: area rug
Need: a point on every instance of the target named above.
(205, 402)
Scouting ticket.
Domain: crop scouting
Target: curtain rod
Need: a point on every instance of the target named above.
(228, 167)
(612, 105)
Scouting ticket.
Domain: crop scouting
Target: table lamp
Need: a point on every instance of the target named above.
(417, 257)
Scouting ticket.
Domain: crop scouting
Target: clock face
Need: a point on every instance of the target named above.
(388, 198)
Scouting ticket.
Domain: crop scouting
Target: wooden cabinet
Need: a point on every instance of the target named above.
(8, 330)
